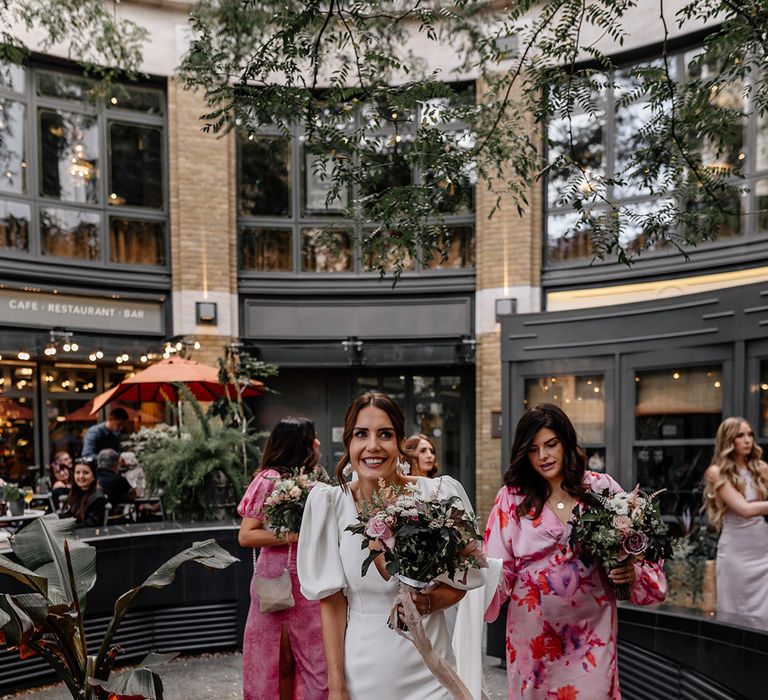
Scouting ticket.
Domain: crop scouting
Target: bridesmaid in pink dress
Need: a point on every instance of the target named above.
(283, 654)
(561, 625)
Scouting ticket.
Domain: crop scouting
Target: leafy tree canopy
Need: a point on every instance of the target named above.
(356, 74)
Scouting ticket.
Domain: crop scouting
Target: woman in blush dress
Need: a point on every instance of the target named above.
(282, 651)
(735, 496)
(366, 659)
(561, 625)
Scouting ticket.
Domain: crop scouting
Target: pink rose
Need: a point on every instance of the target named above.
(622, 522)
(635, 543)
(377, 529)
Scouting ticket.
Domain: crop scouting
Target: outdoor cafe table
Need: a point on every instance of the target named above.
(9, 519)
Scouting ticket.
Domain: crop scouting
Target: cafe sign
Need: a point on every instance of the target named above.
(80, 313)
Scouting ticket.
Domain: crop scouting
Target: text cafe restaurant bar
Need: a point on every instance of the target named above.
(60, 349)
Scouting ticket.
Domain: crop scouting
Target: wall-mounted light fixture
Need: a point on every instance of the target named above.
(205, 312)
(353, 346)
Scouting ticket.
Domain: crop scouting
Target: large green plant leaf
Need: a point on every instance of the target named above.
(24, 575)
(142, 681)
(207, 553)
(40, 546)
(18, 625)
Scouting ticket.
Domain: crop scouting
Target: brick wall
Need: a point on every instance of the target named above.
(202, 177)
(508, 263)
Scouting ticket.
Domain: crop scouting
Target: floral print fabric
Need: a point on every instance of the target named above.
(561, 625)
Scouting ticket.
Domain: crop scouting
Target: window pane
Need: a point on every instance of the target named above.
(424, 387)
(137, 242)
(135, 165)
(678, 404)
(266, 249)
(69, 146)
(17, 392)
(138, 99)
(588, 151)
(582, 397)
(68, 87)
(317, 185)
(460, 250)
(389, 166)
(764, 399)
(325, 251)
(265, 177)
(13, 159)
(14, 226)
(565, 243)
(69, 233)
(12, 77)
(382, 252)
(677, 468)
(629, 122)
(761, 204)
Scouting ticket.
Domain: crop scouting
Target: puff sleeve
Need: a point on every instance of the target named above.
(318, 562)
(498, 544)
(252, 503)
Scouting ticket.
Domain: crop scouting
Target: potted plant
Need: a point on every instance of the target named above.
(14, 499)
(60, 570)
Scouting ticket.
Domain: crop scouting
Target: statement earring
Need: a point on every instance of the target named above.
(347, 471)
(403, 467)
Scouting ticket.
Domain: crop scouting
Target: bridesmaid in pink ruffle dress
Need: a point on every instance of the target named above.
(561, 625)
(283, 655)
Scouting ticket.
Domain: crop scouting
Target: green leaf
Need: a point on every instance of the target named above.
(137, 683)
(18, 624)
(24, 575)
(40, 546)
(207, 553)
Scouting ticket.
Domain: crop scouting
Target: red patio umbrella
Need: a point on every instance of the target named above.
(156, 383)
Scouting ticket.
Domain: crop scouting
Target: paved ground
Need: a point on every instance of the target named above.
(217, 677)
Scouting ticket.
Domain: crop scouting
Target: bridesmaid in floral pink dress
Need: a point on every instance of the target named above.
(561, 625)
(283, 657)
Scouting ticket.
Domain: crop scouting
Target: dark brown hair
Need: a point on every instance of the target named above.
(78, 499)
(412, 443)
(386, 404)
(521, 474)
(290, 446)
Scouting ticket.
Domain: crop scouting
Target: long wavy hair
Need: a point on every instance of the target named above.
(78, 500)
(290, 446)
(521, 474)
(386, 404)
(412, 444)
(728, 470)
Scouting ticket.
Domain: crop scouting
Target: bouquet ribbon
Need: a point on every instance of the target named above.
(441, 670)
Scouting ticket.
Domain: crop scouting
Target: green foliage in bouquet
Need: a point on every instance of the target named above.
(284, 507)
(422, 538)
(59, 570)
(614, 527)
(199, 471)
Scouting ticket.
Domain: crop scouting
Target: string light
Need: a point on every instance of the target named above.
(23, 355)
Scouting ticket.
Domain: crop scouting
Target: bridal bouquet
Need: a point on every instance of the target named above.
(615, 527)
(284, 507)
(421, 538)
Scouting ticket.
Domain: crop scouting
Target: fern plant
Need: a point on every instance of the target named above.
(200, 471)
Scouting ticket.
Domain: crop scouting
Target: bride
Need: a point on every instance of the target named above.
(366, 659)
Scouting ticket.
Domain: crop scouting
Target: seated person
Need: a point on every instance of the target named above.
(61, 478)
(114, 485)
(87, 502)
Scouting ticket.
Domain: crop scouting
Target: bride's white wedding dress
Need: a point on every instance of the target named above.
(379, 664)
